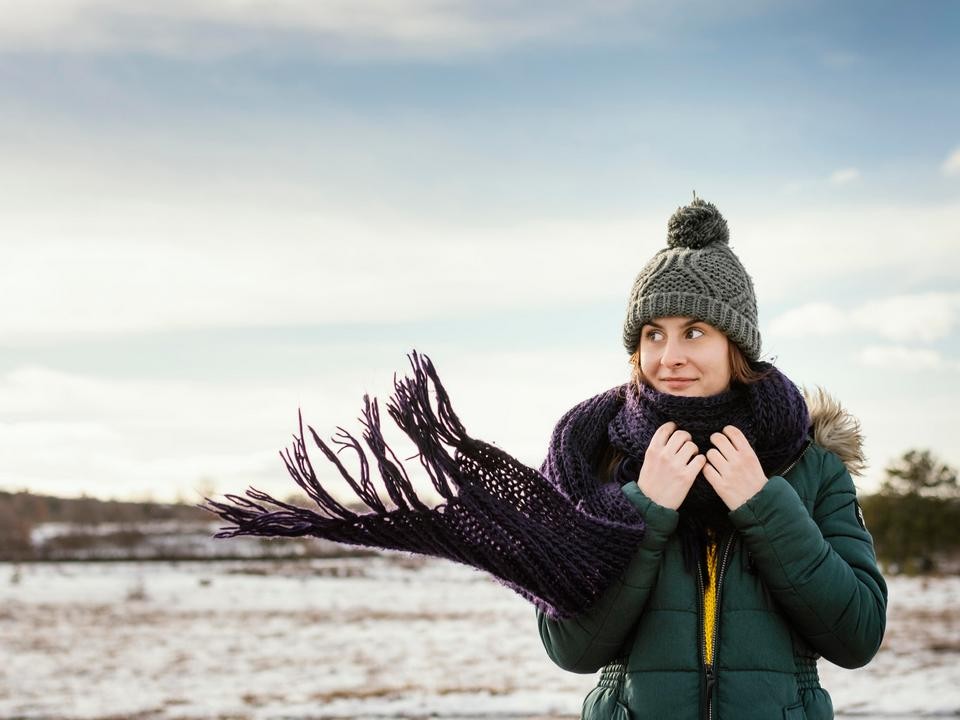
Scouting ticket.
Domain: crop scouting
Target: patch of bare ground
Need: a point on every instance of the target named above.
(299, 570)
(404, 616)
(940, 616)
(167, 716)
(468, 716)
(43, 645)
(179, 662)
(362, 693)
(262, 699)
(151, 714)
(109, 614)
(474, 690)
(263, 664)
(952, 646)
(936, 630)
(380, 615)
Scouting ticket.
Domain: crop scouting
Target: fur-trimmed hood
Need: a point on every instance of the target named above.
(836, 429)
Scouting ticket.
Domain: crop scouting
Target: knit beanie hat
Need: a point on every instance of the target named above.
(696, 275)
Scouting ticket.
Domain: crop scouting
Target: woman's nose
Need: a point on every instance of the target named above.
(673, 355)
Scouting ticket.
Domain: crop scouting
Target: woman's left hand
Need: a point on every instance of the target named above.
(733, 468)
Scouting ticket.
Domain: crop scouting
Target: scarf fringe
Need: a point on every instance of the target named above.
(411, 409)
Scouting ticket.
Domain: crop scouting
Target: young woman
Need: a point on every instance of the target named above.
(756, 560)
(694, 534)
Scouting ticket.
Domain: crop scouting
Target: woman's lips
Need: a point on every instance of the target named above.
(679, 382)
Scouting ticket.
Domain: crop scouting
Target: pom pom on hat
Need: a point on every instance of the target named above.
(697, 225)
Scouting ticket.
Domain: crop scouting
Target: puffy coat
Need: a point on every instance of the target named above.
(797, 580)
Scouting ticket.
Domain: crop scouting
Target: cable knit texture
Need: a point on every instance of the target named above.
(697, 275)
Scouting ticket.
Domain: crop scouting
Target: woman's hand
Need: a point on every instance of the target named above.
(733, 468)
(670, 465)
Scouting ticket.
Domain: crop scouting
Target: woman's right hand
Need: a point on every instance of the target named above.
(670, 465)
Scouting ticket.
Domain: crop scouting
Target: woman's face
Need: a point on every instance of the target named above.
(682, 356)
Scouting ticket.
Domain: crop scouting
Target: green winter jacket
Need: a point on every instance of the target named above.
(797, 581)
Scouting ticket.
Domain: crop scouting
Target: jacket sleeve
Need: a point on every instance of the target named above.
(586, 643)
(822, 570)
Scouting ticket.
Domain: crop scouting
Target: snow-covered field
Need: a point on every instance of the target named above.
(357, 638)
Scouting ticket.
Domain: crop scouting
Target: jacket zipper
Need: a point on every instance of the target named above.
(799, 457)
(709, 669)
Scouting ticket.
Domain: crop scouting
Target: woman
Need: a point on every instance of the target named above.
(756, 559)
(694, 533)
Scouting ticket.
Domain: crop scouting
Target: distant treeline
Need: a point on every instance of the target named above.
(914, 518)
(22, 511)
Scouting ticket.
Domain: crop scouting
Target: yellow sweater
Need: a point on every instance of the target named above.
(710, 599)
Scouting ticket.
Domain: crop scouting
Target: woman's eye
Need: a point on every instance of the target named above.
(695, 330)
(653, 334)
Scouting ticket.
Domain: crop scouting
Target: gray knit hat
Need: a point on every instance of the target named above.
(696, 276)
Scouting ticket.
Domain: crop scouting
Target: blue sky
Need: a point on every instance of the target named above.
(213, 214)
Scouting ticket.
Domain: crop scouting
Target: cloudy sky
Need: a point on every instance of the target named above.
(215, 213)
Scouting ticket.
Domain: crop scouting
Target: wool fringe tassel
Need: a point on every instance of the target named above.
(411, 409)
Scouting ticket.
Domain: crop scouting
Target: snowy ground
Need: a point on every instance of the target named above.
(356, 638)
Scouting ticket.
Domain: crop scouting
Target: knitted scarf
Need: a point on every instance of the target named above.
(771, 413)
(557, 536)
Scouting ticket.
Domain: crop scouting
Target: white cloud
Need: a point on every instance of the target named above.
(149, 267)
(906, 359)
(925, 317)
(951, 166)
(810, 319)
(66, 433)
(345, 29)
(844, 176)
(922, 317)
(338, 27)
(93, 242)
(312, 270)
(797, 250)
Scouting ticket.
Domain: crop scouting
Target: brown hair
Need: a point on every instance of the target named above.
(741, 371)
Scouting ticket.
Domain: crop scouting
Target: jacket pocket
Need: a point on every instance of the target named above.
(602, 703)
(794, 712)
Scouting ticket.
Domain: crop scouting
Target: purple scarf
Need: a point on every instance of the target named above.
(771, 413)
(557, 536)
